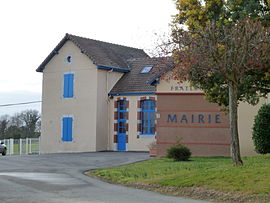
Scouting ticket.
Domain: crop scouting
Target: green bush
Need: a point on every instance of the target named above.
(261, 130)
(178, 152)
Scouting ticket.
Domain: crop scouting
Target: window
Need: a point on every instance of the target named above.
(148, 116)
(69, 59)
(146, 69)
(68, 85)
(67, 129)
(122, 110)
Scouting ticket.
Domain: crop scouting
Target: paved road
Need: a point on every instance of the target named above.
(58, 178)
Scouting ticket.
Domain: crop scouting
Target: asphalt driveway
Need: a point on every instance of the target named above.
(59, 178)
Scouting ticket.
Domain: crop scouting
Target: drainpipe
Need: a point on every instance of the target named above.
(108, 109)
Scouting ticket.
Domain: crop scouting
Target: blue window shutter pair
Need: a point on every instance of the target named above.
(68, 85)
(67, 129)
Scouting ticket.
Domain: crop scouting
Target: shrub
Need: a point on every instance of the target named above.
(261, 130)
(178, 152)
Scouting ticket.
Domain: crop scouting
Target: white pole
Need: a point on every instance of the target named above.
(20, 146)
(26, 145)
(8, 145)
(6, 142)
(11, 146)
(30, 148)
(39, 145)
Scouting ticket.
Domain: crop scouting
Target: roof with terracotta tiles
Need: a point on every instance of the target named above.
(101, 53)
(135, 81)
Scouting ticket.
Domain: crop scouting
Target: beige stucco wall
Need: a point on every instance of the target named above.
(83, 106)
(105, 82)
(168, 84)
(134, 143)
(246, 115)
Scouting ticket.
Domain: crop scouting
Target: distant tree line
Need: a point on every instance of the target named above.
(25, 124)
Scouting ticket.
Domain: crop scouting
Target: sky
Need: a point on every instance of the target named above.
(30, 29)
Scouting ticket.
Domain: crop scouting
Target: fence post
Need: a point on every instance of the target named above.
(26, 145)
(30, 148)
(39, 145)
(11, 146)
(20, 146)
(7, 143)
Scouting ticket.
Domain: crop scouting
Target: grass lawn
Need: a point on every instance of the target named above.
(218, 174)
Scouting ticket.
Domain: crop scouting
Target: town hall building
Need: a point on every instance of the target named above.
(99, 96)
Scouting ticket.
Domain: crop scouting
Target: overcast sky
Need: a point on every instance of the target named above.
(30, 29)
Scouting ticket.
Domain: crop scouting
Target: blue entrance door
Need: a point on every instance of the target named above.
(122, 110)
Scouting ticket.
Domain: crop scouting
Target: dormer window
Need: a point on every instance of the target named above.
(146, 69)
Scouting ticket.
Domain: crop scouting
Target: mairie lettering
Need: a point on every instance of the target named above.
(203, 118)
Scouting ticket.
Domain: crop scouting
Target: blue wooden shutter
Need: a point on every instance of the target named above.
(69, 135)
(71, 84)
(64, 129)
(66, 84)
(67, 129)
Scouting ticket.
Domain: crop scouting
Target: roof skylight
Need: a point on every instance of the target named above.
(146, 69)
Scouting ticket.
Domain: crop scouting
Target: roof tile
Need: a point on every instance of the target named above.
(134, 81)
(101, 53)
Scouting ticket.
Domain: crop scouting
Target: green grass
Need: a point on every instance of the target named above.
(212, 173)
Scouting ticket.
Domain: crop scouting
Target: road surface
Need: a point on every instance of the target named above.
(58, 178)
